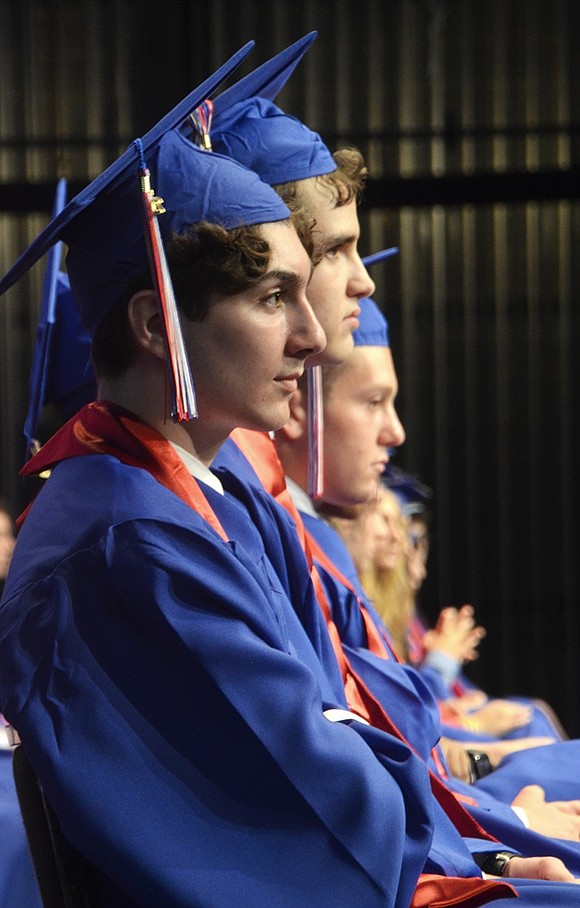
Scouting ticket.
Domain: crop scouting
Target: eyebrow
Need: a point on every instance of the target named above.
(339, 240)
(288, 278)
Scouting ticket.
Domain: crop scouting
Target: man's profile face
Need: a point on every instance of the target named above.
(360, 424)
(340, 279)
(248, 352)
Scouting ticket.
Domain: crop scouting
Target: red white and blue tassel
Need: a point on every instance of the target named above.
(201, 119)
(183, 403)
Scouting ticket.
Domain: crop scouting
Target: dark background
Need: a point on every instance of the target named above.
(468, 114)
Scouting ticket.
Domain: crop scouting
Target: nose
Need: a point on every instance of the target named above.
(392, 431)
(306, 336)
(361, 284)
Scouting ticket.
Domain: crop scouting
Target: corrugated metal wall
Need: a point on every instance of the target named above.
(483, 299)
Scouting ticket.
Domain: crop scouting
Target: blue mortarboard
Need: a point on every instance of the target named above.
(267, 80)
(250, 128)
(61, 370)
(107, 248)
(278, 147)
(263, 82)
(373, 328)
(113, 231)
(122, 171)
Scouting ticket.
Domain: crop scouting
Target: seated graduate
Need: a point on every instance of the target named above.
(439, 652)
(164, 691)
(360, 422)
(392, 578)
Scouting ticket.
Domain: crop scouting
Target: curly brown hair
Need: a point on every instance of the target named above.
(205, 262)
(344, 184)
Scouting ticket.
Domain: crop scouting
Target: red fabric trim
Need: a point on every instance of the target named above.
(434, 891)
(103, 428)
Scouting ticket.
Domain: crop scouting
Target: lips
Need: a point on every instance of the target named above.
(289, 382)
(353, 315)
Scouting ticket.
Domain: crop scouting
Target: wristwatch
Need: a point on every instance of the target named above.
(494, 863)
(479, 763)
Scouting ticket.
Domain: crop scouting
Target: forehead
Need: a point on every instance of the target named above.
(319, 202)
(368, 366)
(286, 250)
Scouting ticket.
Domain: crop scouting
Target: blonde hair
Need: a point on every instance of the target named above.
(390, 590)
(391, 594)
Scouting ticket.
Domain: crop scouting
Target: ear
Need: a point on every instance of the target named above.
(145, 322)
(296, 426)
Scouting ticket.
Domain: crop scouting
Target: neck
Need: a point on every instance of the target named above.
(144, 394)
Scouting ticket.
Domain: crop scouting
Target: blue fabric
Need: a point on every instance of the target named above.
(18, 887)
(448, 854)
(278, 147)
(373, 328)
(555, 768)
(410, 705)
(151, 671)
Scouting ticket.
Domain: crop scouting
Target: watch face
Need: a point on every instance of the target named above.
(480, 764)
(495, 864)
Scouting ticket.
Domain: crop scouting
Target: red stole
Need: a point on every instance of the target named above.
(103, 428)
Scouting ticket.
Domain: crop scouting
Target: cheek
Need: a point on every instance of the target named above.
(323, 288)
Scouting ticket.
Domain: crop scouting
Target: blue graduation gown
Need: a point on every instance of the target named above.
(172, 707)
(414, 711)
(400, 688)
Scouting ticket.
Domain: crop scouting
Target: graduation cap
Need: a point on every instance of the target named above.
(61, 370)
(246, 125)
(115, 227)
(413, 494)
(373, 328)
(266, 81)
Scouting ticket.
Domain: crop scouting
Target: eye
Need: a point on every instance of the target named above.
(273, 300)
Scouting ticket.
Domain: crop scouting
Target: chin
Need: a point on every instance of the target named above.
(334, 353)
(269, 422)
